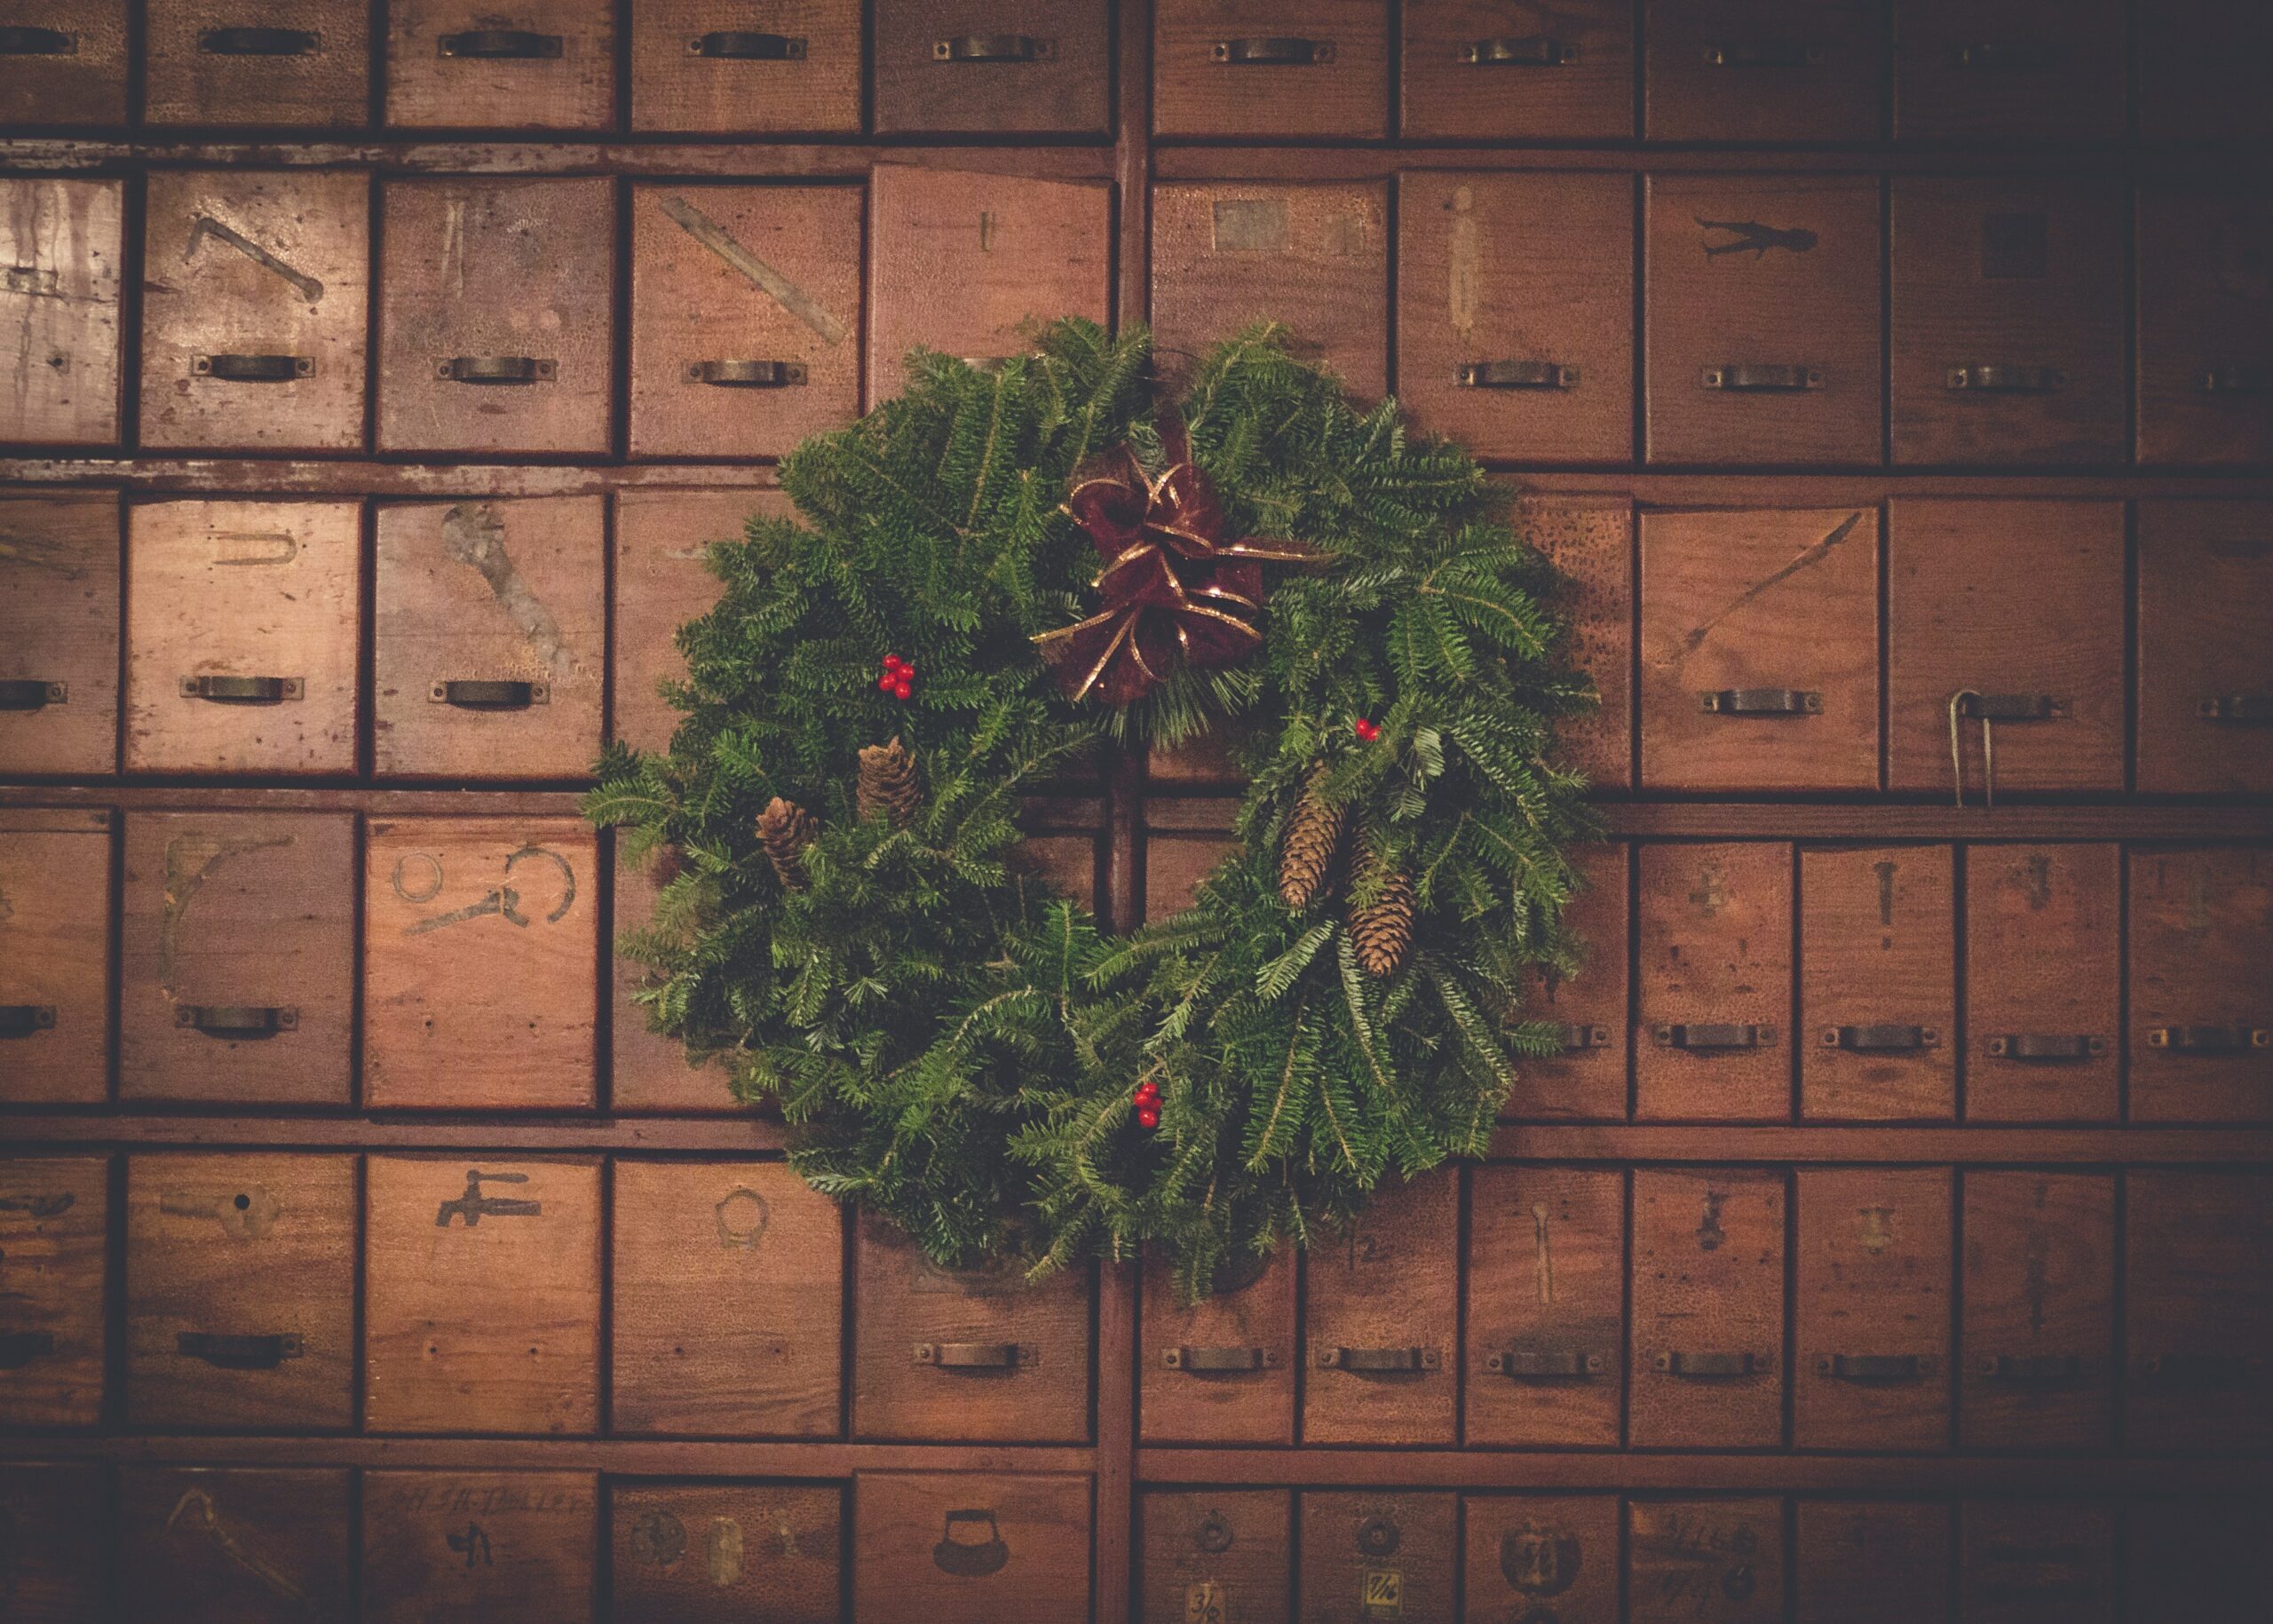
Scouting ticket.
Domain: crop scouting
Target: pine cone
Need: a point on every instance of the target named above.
(1381, 930)
(889, 784)
(786, 829)
(1312, 833)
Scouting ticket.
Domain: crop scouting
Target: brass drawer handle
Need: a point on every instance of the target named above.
(2239, 381)
(2030, 1369)
(2045, 1046)
(30, 693)
(487, 695)
(23, 39)
(499, 45)
(745, 373)
(252, 369)
(1765, 53)
(1754, 378)
(2208, 1040)
(20, 1020)
(1532, 51)
(1882, 1039)
(741, 45)
(973, 1355)
(256, 42)
(1380, 1361)
(1577, 1037)
(238, 1020)
(2200, 1369)
(243, 690)
(1996, 379)
(19, 1348)
(1217, 1361)
(1876, 1367)
(37, 281)
(1761, 702)
(994, 47)
(1274, 50)
(2242, 710)
(1714, 1366)
(1715, 1034)
(2005, 56)
(1514, 375)
(497, 369)
(234, 1352)
(2013, 707)
(1545, 1365)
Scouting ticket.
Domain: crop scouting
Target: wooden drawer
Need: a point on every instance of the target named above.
(1174, 865)
(236, 1546)
(1762, 316)
(1968, 70)
(2205, 327)
(1762, 70)
(1267, 68)
(1368, 1555)
(237, 958)
(529, 65)
(1545, 1306)
(1543, 1558)
(727, 1553)
(2036, 1562)
(976, 1354)
(484, 1317)
(662, 580)
(67, 68)
(993, 67)
(1312, 258)
(1871, 1562)
(240, 636)
(60, 1553)
(2039, 1338)
(964, 263)
(967, 1548)
(783, 66)
(2008, 321)
(2200, 70)
(651, 1072)
(1878, 990)
(1590, 540)
(2199, 1310)
(1483, 70)
(440, 1545)
(1382, 1320)
(1705, 1561)
(745, 317)
(1588, 1077)
(1708, 1309)
(2206, 592)
(2198, 1561)
(2043, 981)
(279, 63)
(1215, 1555)
(2201, 1005)
(60, 253)
(1515, 312)
(496, 316)
(1872, 1336)
(490, 645)
(1220, 1370)
(1716, 997)
(54, 1225)
(254, 310)
(60, 609)
(55, 957)
(2019, 604)
(479, 963)
(1760, 649)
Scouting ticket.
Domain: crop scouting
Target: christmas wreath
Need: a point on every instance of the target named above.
(991, 579)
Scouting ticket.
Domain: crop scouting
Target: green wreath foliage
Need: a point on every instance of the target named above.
(956, 1046)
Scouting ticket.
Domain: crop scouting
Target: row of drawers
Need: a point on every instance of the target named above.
(1574, 1308)
(1997, 338)
(1775, 70)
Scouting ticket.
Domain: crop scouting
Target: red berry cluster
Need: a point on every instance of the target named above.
(899, 678)
(1148, 1104)
(1367, 731)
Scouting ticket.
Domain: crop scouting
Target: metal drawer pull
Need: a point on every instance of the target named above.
(2031, 1369)
(26, 41)
(1884, 1038)
(2208, 1040)
(30, 693)
(1539, 1365)
(1765, 53)
(35, 280)
(1715, 1034)
(1577, 1037)
(994, 48)
(741, 45)
(499, 45)
(972, 1355)
(1746, 379)
(487, 695)
(1533, 51)
(1379, 1360)
(497, 369)
(1761, 702)
(252, 369)
(2006, 56)
(2201, 1369)
(2045, 1046)
(227, 1352)
(2239, 381)
(1277, 51)
(254, 42)
(1514, 375)
(2243, 709)
(19, 1348)
(2001, 380)
(243, 690)
(1709, 1366)
(20, 1020)
(2013, 707)
(238, 1020)
(745, 373)
(1212, 1361)
(1876, 1366)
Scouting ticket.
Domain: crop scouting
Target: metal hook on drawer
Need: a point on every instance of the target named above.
(1958, 702)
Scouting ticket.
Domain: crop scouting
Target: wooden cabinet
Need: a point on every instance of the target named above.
(1226, 69)
(234, 1546)
(2199, 1310)
(527, 65)
(1707, 1363)
(2043, 981)
(305, 63)
(1871, 1337)
(1715, 1561)
(1973, 70)
(663, 580)
(2205, 368)
(1367, 1555)
(1871, 1561)
(1586, 1007)
(2205, 696)
(55, 957)
(1382, 1320)
(965, 1548)
(1220, 1369)
(2201, 930)
(1210, 1554)
(1590, 540)
(473, 1545)
(63, 67)
(1545, 1298)
(54, 1273)
(1716, 997)
(1542, 1556)
(735, 1553)
(59, 610)
(2037, 1343)
(994, 67)
(1762, 70)
(2036, 1562)
(58, 1517)
(61, 258)
(789, 65)
(1488, 70)
(1877, 985)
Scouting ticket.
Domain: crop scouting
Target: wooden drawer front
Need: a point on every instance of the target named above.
(485, 1317)
(1514, 316)
(728, 1303)
(1873, 1324)
(1221, 1370)
(1382, 1321)
(1760, 649)
(1552, 1559)
(2002, 69)
(2043, 983)
(59, 610)
(1762, 70)
(735, 1553)
(1214, 1557)
(2008, 326)
(2039, 1311)
(1590, 540)
(745, 317)
(60, 266)
(480, 962)
(651, 1072)
(72, 67)
(55, 957)
(2197, 1561)
(1714, 1561)
(490, 644)
(238, 1546)
(1228, 256)
(1716, 961)
(1878, 995)
(496, 315)
(975, 1354)
(241, 1291)
(237, 964)
(2020, 603)
(995, 66)
(2036, 1562)
(54, 1218)
(1708, 1309)
(1872, 1561)
(253, 309)
(2198, 1298)
(532, 65)
(1367, 1555)
(1269, 67)
(662, 539)
(1174, 865)
(1546, 1306)
(279, 63)
(2201, 1003)
(1518, 70)
(961, 262)
(1764, 318)
(2205, 327)
(1588, 1077)
(59, 1557)
(478, 1545)
(2201, 72)
(240, 636)
(784, 65)
(2205, 695)
(964, 1547)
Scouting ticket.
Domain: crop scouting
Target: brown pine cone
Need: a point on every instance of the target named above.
(786, 829)
(1307, 855)
(889, 784)
(1380, 930)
